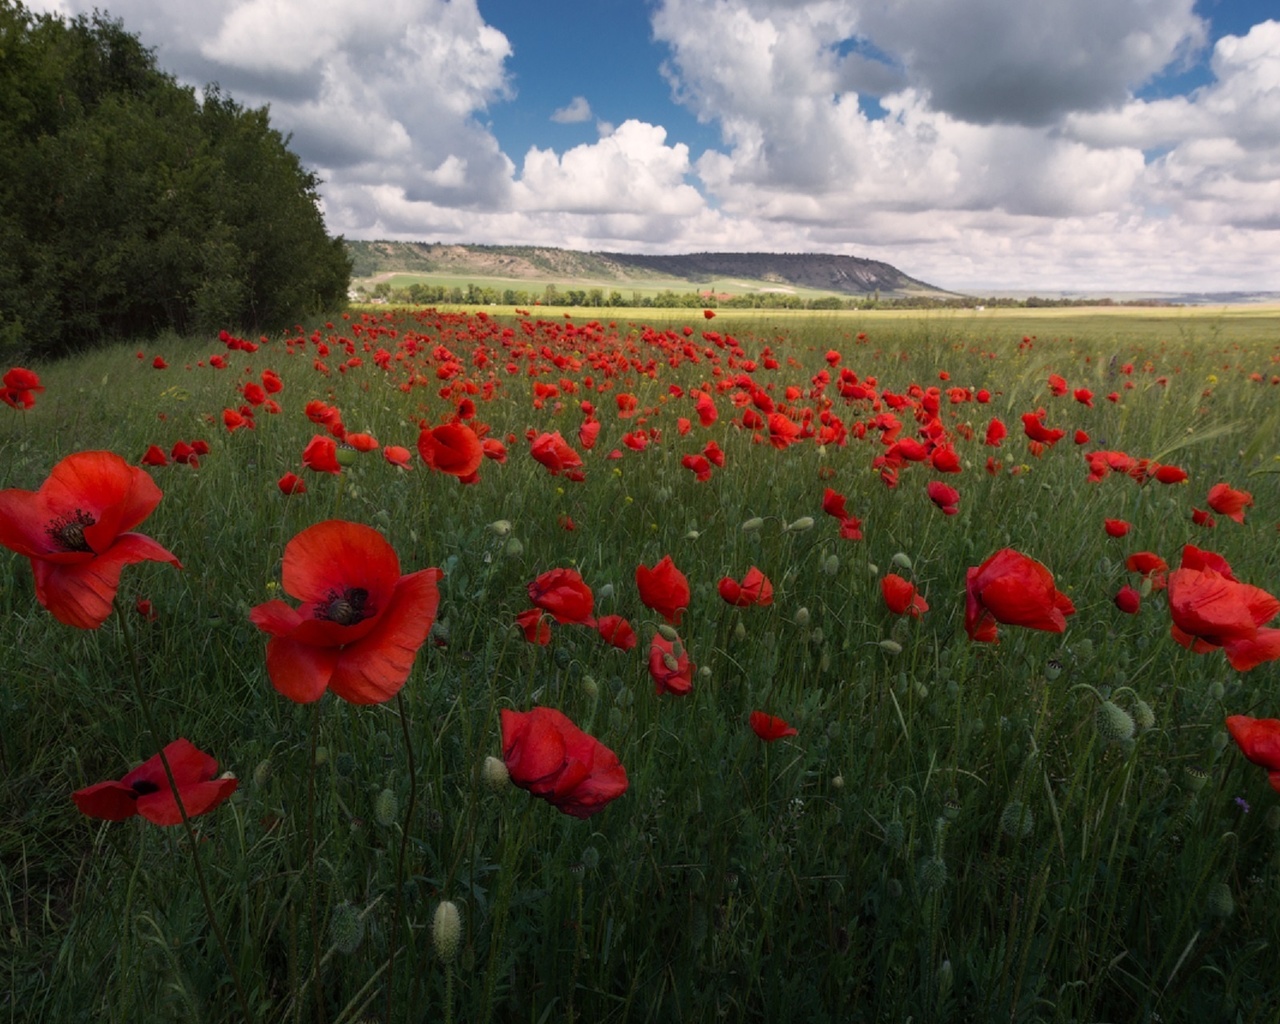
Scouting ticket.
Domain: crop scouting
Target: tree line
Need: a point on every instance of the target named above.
(129, 205)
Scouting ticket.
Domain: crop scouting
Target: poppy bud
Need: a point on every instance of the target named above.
(1113, 722)
(891, 646)
(800, 525)
(322, 756)
(873, 569)
(346, 928)
(605, 592)
(1219, 902)
(1143, 717)
(801, 617)
(739, 632)
(590, 858)
(500, 527)
(262, 774)
(590, 688)
(931, 874)
(670, 661)
(386, 808)
(668, 633)
(831, 564)
(496, 775)
(513, 548)
(902, 560)
(1016, 820)
(752, 525)
(446, 930)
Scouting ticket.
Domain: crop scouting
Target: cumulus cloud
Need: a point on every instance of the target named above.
(578, 110)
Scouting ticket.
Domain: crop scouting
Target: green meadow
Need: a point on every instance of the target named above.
(1053, 827)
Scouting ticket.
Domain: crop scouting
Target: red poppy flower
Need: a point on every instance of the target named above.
(1202, 518)
(708, 313)
(587, 434)
(554, 452)
(770, 727)
(398, 456)
(291, 483)
(617, 631)
(536, 628)
(698, 466)
(360, 623)
(1128, 600)
(452, 448)
(1259, 741)
(74, 531)
(1116, 527)
(361, 442)
(546, 754)
(321, 455)
(155, 456)
(996, 432)
(494, 450)
(664, 588)
(672, 672)
(1170, 474)
(1229, 502)
(900, 596)
(146, 790)
(945, 497)
(755, 588)
(563, 594)
(158, 363)
(1033, 426)
(1211, 609)
(1151, 565)
(20, 387)
(1016, 590)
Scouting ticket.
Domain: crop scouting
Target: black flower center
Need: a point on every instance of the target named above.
(346, 608)
(68, 531)
(142, 787)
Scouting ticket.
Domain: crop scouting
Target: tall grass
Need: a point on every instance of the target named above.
(948, 837)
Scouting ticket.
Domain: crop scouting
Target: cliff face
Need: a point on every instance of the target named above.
(741, 271)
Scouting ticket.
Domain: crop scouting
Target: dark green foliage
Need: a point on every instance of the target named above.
(128, 206)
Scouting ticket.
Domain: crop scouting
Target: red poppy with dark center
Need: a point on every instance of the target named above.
(360, 623)
(452, 448)
(1016, 590)
(755, 589)
(770, 727)
(664, 588)
(546, 754)
(563, 594)
(146, 790)
(900, 596)
(1259, 741)
(74, 531)
(1210, 608)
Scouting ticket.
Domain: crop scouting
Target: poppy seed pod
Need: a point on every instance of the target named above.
(446, 931)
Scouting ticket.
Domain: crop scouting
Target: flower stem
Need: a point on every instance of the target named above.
(311, 863)
(404, 842)
(136, 676)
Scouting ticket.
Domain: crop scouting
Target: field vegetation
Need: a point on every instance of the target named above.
(934, 728)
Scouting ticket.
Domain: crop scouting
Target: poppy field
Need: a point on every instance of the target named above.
(449, 665)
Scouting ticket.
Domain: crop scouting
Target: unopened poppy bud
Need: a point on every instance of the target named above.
(446, 931)
(704, 672)
(500, 527)
(590, 687)
(817, 636)
(346, 928)
(605, 592)
(902, 560)
(1217, 690)
(513, 548)
(668, 633)
(837, 782)
(891, 646)
(740, 632)
(496, 775)
(831, 564)
(262, 774)
(322, 756)
(800, 525)
(692, 535)
(931, 873)
(1113, 722)
(1219, 902)
(590, 858)
(1220, 741)
(873, 569)
(677, 648)
(752, 525)
(386, 808)
(801, 617)
(669, 660)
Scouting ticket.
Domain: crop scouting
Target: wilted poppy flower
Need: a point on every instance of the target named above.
(1016, 590)
(146, 790)
(755, 588)
(360, 623)
(452, 448)
(20, 387)
(664, 588)
(945, 497)
(321, 455)
(73, 529)
(1128, 600)
(1116, 527)
(770, 727)
(617, 631)
(546, 754)
(291, 483)
(1211, 609)
(672, 672)
(1229, 502)
(1259, 741)
(563, 594)
(900, 596)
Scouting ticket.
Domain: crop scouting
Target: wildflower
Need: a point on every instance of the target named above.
(945, 497)
(671, 672)
(74, 531)
(563, 594)
(1259, 741)
(146, 790)
(20, 387)
(546, 754)
(398, 456)
(1229, 502)
(1211, 609)
(360, 623)
(1016, 590)
(770, 727)
(291, 483)
(321, 455)
(755, 588)
(616, 631)
(664, 588)
(554, 452)
(900, 596)
(1116, 527)
(452, 448)
(1128, 600)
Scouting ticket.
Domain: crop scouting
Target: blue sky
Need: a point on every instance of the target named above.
(983, 145)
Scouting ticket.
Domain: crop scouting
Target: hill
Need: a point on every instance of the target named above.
(719, 272)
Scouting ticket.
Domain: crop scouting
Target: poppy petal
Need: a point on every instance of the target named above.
(299, 671)
(81, 593)
(324, 560)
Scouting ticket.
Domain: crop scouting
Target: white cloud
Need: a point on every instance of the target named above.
(577, 110)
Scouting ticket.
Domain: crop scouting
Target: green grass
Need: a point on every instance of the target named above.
(946, 838)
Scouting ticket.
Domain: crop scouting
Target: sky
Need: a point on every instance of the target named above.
(1099, 146)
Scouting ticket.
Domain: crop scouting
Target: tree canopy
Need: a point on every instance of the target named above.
(128, 205)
